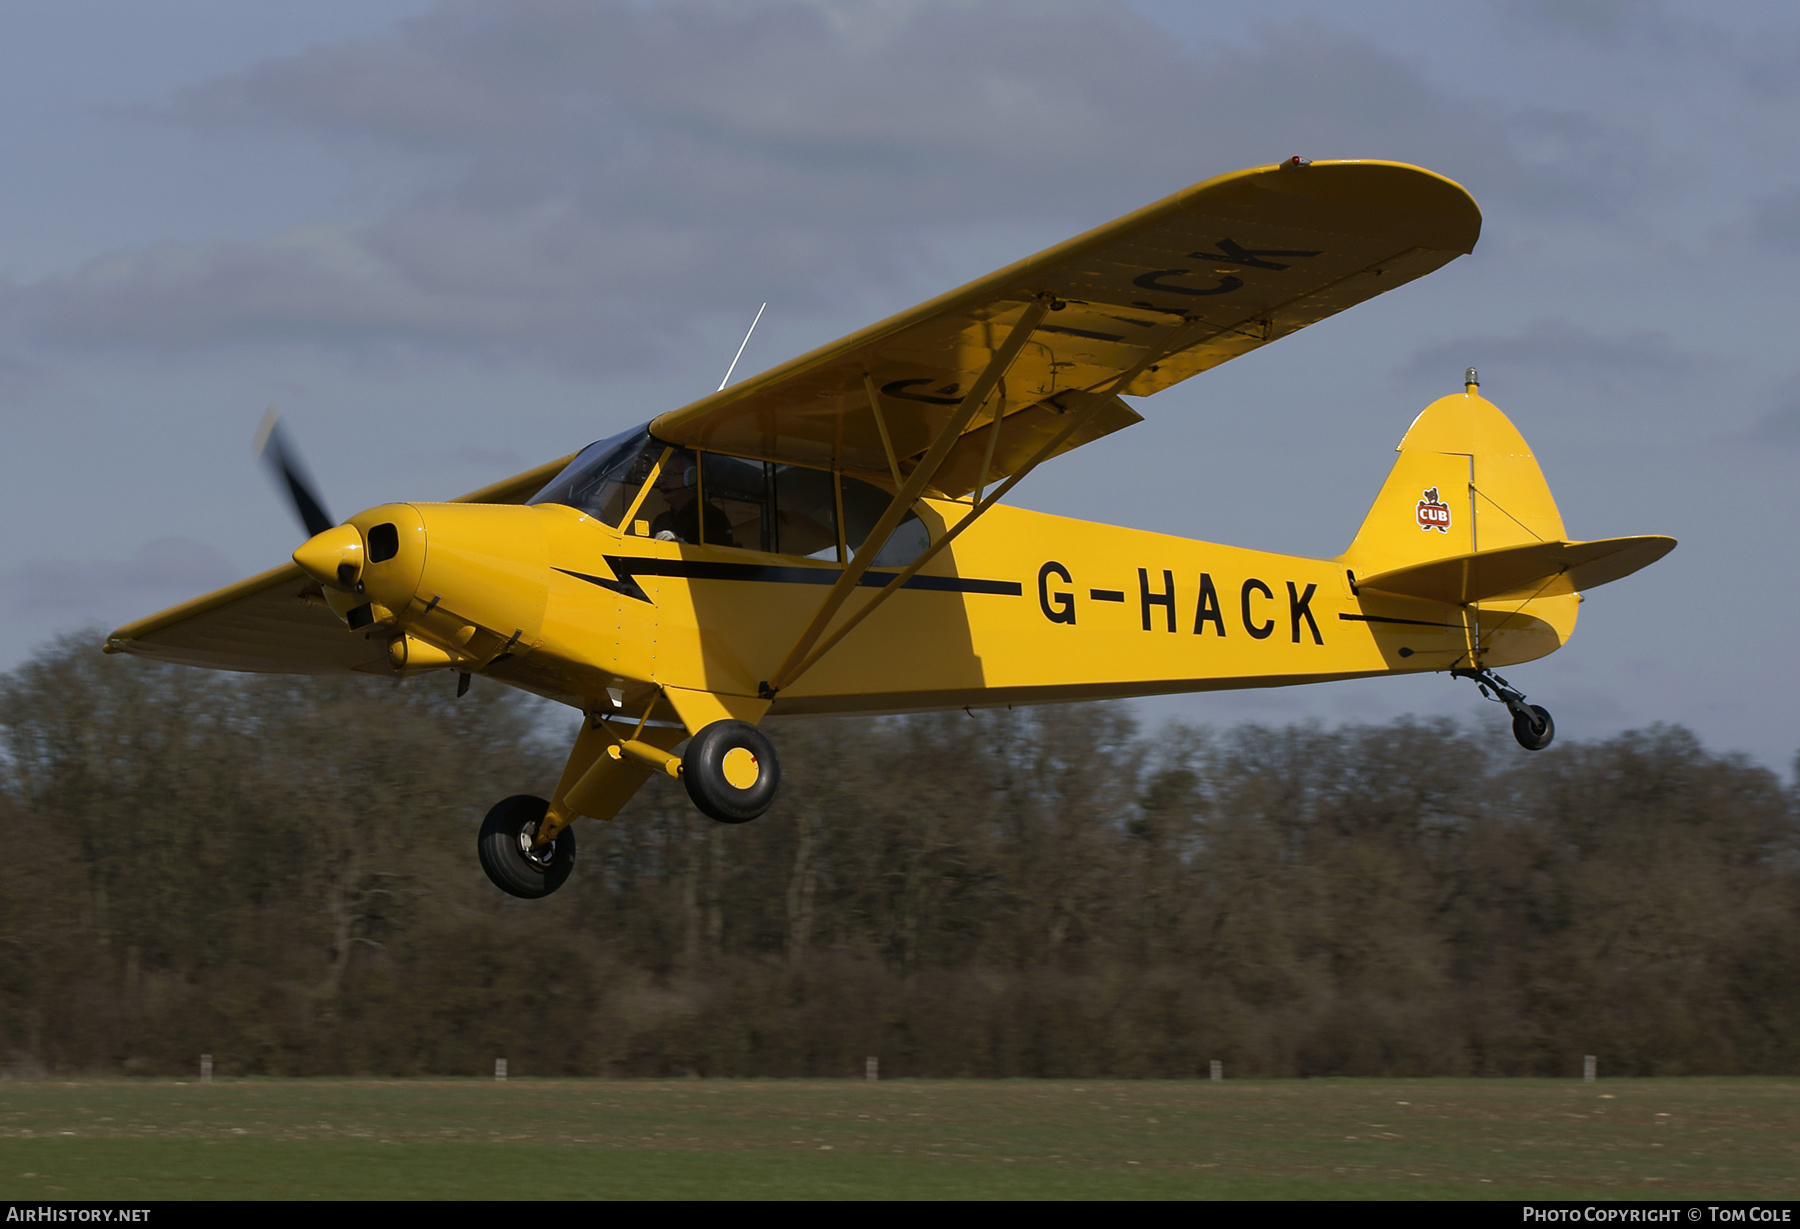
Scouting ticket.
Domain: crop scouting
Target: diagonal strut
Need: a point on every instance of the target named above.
(1179, 337)
(915, 485)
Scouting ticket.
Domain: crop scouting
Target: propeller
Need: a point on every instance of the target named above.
(284, 463)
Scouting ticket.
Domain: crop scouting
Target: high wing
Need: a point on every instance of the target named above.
(1146, 301)
(277, 622)
(1137, 305)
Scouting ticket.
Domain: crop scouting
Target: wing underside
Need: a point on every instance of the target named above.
(274, 623)
(277, 622)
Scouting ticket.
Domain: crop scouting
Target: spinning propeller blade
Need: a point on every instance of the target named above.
(284, 464)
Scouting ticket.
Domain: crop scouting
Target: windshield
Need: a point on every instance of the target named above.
(596, 481)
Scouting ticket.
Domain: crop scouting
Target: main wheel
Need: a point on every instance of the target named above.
(511, 860)
(730, 771)
(1534, 733)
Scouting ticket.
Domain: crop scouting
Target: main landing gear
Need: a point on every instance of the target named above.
(1531, 723)
(730, 772)
(512, 858)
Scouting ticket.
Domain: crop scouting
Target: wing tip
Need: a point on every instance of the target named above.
(1378, 183)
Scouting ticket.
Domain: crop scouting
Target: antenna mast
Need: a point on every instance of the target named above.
(740, 353)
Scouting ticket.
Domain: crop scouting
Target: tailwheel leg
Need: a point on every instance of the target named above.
(1531, 723)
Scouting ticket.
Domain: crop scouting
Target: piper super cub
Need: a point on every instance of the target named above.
(828, 537)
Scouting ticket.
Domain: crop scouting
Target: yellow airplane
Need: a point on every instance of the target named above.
(827, 537)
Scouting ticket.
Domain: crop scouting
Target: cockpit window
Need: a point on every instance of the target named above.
(605, 477)
(785, 509)
(739, 490)
(717, 500)
(672, 510)
(805, 512)
(863, 506)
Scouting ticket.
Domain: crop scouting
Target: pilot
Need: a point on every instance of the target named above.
(681, 521)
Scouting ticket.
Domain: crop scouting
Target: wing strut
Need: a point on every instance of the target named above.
(915, 486)
(987, 458)
(1076, 422)
(789, 672)
(887, 444)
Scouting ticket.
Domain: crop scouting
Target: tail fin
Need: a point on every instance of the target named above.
(1466, 519)
(1465, 482)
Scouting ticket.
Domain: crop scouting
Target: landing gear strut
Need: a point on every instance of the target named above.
(1532, 726)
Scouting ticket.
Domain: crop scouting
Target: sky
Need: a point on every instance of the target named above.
(453, 240)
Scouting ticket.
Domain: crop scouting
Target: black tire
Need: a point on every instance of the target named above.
(1534, 735)
(506, 853)
(715, 775)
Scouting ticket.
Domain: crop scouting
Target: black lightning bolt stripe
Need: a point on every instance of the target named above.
(626, 585)
(629, 568)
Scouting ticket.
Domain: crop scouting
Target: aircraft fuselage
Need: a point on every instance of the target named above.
(1024, 607)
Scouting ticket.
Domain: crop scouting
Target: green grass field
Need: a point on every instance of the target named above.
(523, 1139)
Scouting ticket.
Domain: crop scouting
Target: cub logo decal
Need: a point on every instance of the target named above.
(1434, 513)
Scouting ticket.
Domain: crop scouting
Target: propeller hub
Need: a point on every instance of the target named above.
(334, 558)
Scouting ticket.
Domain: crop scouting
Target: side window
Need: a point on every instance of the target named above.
(671, 509)
(863, 506)
(703, 498)
(738, 492)
(805, 512)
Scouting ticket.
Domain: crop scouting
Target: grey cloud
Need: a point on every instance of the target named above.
(947, 105)
(1559, 347)
(596, 177)
(432, 279)
(1672, 40)
(697, 108)
(499, 460)
(158, 573)
(1775, 220)
(1611, 23)
(1603, 21)
(21, 377)
(1769, 66)
(1780, 426)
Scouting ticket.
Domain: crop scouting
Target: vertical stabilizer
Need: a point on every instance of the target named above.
(1465, 481)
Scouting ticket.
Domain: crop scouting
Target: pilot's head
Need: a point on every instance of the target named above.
(677, 480)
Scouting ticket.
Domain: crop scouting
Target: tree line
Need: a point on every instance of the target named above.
(280, 872)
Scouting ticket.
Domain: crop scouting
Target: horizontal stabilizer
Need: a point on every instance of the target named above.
(1535, 569)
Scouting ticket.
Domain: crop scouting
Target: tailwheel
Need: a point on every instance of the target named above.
(730, 771)
(1532, 727)
(510, 856)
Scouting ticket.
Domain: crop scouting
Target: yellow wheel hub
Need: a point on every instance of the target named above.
(741, 768)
